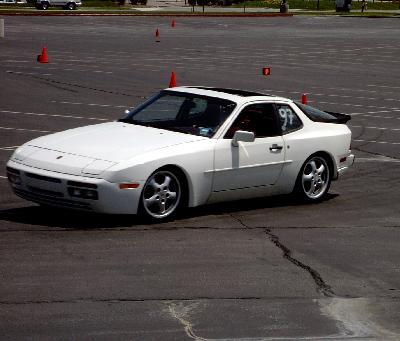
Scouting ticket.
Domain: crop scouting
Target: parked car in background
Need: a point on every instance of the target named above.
(139, 2)
(343, 5)
(7, 2)
(185, 147)
(66, 4)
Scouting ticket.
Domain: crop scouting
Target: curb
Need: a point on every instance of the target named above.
(244, 15)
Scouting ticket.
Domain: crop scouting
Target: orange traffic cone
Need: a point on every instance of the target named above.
(157, 36)
(43, 58)
(304, 99)
(173, 23)
(172, 82)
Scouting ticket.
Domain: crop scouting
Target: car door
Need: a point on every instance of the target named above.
(250, 164)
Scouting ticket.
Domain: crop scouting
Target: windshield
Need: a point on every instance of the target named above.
(183, 112)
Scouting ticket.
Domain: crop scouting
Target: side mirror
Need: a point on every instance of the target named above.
(244, 136)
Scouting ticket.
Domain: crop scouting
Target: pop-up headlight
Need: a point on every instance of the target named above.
(22, 152)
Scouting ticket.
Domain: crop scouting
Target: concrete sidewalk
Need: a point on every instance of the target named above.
(183, 6)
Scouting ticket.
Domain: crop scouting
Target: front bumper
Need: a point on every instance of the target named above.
(54, 189)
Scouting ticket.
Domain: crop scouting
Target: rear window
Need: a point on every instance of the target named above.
(315, 114)
(323, 116)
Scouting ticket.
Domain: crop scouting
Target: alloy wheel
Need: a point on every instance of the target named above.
(161, 194)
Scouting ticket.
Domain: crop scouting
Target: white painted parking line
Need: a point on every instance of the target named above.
(376, 159)
(392, 100)
(16, 61)
(377, 116)
(23, 129)
(333, 95)
(29, 73)
(53, 115)
(3, 177)
(383, 86)
(377, 112)
(379, 142)
(357, 105)
(9, 148)
(354, 90)
(377, 128)
(54, 68)
(90, 104)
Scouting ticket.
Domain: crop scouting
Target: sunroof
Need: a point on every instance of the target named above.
(242, 93)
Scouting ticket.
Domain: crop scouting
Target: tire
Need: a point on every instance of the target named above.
(70, 6)
(44, 5)
(314, 179)
(161, 196)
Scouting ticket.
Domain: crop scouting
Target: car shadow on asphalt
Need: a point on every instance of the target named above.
(49, 217)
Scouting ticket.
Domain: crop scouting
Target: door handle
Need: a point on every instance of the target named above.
(275, 148)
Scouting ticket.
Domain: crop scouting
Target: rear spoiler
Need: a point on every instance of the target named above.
(340, 118)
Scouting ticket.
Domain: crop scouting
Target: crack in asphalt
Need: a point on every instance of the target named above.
(144, 229)
(360, 149)
(144, 300)
(322, 287)
(243, 224)
(375, 153)
(52, 82)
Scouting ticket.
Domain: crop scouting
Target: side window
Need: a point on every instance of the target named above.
(257, 118)
(289, 121)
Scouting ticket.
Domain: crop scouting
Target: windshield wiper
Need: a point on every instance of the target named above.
(125, 120)
(130, 121)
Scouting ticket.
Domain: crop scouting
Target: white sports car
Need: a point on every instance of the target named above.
(184, 147)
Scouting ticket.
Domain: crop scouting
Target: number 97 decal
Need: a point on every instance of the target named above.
(286, 116)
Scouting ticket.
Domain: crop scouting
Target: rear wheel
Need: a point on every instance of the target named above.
(314, 179)
(71, 6)
(161, 196)
(44, 5)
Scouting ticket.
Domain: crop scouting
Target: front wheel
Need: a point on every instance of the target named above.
(44, 5)
(161, 195)
(314, 179)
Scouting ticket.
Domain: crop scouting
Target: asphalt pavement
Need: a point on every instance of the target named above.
(263, 269)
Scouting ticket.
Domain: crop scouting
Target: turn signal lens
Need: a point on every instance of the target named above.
(129, 186)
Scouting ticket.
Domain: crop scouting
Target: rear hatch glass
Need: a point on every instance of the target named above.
(317, 115)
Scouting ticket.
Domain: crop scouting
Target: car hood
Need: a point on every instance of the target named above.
(98, 147)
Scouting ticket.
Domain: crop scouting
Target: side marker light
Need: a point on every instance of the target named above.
(129, 186)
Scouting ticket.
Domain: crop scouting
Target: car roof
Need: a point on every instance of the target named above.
(238, 96)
